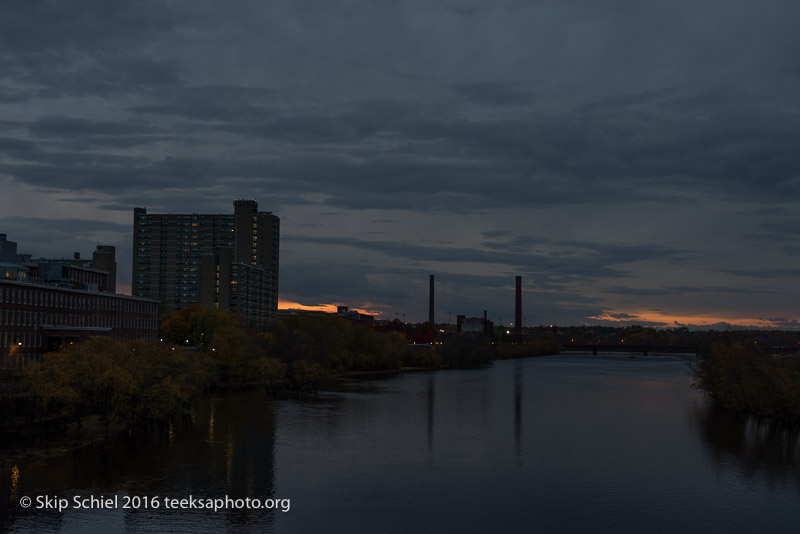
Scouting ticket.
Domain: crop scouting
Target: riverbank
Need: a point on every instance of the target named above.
(133, 384)
(43, 438)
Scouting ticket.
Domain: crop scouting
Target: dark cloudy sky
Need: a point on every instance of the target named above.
(631, 160)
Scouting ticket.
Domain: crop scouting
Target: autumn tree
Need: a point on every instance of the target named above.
(129, 382)
(196, 325)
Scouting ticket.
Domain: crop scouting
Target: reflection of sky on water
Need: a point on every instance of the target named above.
(569, 444)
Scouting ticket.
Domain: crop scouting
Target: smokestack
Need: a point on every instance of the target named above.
(430, 303)
(518, 308)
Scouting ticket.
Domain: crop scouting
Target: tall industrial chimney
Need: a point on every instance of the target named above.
(518, 308)
(430, 303)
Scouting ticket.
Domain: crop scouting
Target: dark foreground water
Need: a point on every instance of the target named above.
(557, 444)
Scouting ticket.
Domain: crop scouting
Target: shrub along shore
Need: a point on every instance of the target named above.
(746, 378)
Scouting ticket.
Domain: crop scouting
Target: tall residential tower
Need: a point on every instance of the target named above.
(226, 261)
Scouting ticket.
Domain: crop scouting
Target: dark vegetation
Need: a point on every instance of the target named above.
(750, 379)
(751, 371)
(754, 372)
(127, 384)
(120, 384)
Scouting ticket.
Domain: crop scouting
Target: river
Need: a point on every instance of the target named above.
(569, 443)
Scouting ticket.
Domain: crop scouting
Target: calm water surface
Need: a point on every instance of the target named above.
(569, 443)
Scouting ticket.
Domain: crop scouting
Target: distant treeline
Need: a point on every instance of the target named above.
(679, 336)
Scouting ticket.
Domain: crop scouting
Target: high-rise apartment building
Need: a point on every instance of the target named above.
(221, 260)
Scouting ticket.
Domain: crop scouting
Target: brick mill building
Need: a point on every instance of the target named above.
(46, 304)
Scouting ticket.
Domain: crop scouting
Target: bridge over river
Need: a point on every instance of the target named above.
(659, 349)
(641, 349)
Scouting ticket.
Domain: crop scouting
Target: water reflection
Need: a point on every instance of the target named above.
(431, 394)
(211, 422)
(518, 408)
(229, 459)
(175, 460)
(753, 447)
(571, 444)
(14, 481)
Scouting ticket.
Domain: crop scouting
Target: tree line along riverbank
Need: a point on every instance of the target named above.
(107, 384)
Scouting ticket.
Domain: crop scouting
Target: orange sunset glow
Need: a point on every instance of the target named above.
(327, 308)
(671, 320)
